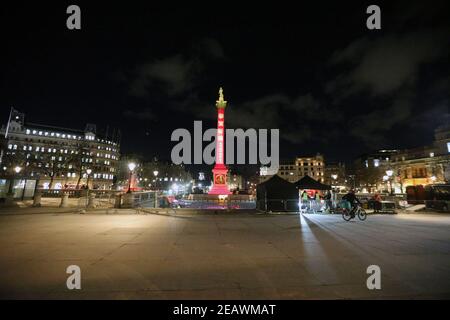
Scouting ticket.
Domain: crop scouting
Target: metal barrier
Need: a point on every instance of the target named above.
(215, 204)
(146, 199)
(91, 199)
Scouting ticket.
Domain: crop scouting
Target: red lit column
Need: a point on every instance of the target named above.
(220, 186)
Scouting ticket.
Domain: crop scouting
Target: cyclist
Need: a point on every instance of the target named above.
(351, 197)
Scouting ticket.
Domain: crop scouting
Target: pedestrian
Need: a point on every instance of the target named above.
(376, 202)
(305, 199)
(328, 201)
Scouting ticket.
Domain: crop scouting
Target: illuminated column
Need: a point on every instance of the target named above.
(220, 186)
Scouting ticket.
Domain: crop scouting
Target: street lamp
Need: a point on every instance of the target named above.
(17, 171)
(433, 178)
(389, 173)
(88, 172)
(155, 173)
(131, 167)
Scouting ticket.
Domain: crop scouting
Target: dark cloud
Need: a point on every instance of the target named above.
(210, 49)
(177, 74)
(297, 118)
(384, 73)
(374, 126)
(386, 64)
(146, 114)
(174, 75)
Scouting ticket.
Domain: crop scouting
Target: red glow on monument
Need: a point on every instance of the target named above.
(220, 170)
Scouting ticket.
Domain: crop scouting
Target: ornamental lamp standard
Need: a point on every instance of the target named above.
(131, 167)
(155, 173)
(389, 173)
(17, 170)
(88, 172)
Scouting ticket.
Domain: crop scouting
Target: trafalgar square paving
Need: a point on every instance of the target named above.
(185, 255)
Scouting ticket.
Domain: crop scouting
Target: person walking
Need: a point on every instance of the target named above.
(328, 202)
(305, 200)
(377, 202)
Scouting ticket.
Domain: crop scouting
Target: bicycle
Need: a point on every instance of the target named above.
(360, 212)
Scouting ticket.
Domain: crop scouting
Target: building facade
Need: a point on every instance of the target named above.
(58, 157)
(369, 170)
(293, 171)
(409, 167)
(424, 165)
(335, 174)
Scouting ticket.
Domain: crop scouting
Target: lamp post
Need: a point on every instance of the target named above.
(88, 172)
(389, 173)
(155, 173)
(17, 170)
(433, 179)
(334, 176)
(131, 167)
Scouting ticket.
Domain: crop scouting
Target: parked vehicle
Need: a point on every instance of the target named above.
(415, 194)
(437, 197)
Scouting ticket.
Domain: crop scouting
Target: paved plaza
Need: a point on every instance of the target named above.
(223, 256)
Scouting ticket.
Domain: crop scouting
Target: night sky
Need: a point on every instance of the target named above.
(312, 70)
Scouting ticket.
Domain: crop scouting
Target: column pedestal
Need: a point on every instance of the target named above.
(220, 186)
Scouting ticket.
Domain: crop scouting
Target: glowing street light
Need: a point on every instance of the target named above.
(389, 174)
(131, 167)
(88, 172)
(155, 173)
(17, 169)
(433, 178)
